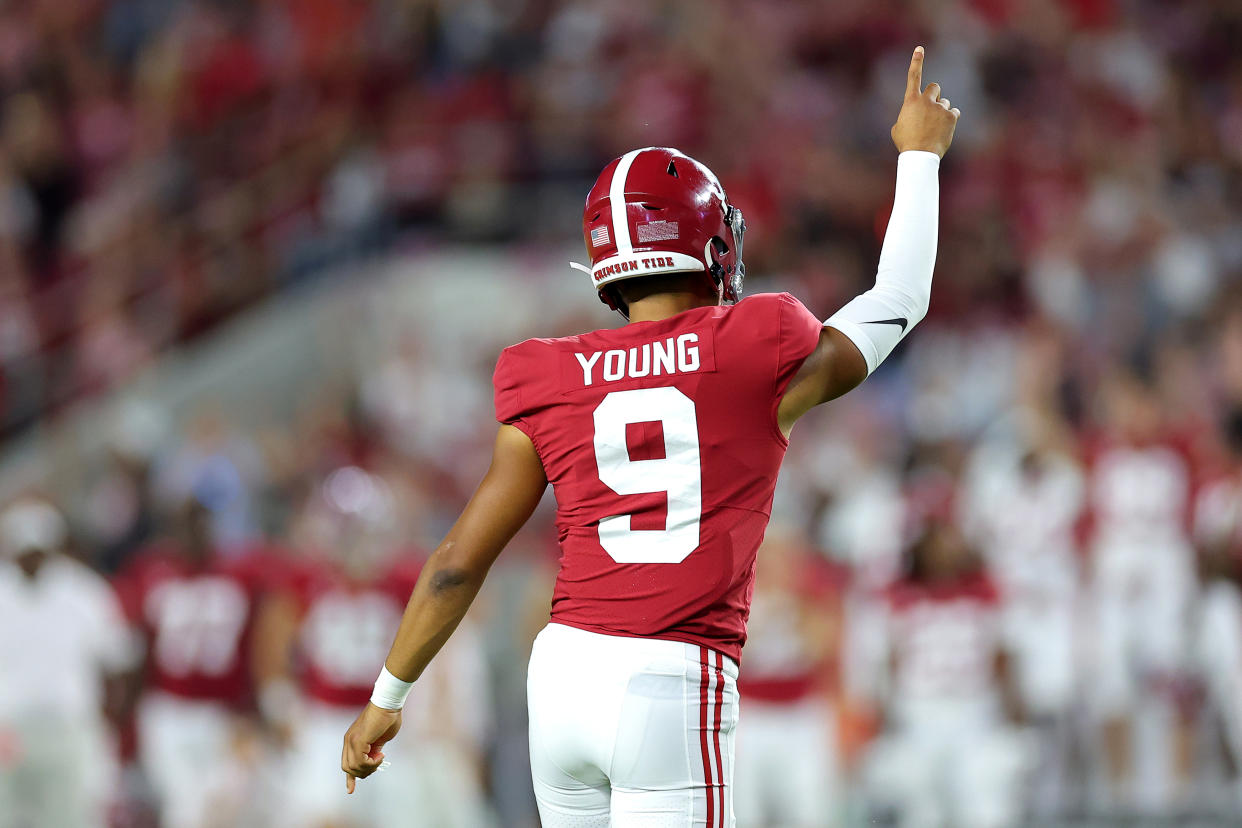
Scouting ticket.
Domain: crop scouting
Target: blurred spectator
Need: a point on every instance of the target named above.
(118, 511)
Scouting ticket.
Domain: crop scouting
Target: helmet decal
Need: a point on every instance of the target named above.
(599, 236)
(654, 231)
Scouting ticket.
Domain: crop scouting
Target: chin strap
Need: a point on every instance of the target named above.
(611, 300)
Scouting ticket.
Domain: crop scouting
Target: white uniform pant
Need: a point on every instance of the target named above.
(186, 748)
(55, 771)
(787, 769)
(1041, 635)
(630, 731)
(950, 763)
(1141, 595)
(1219, 651)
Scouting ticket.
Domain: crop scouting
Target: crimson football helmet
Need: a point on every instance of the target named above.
(657, 210)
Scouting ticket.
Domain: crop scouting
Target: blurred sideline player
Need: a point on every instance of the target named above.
(950, 754)
(662, 440)
(63, 641)
(1218, 639)
(788, 767)
(1024, 499)
(1142, 586)
(316, 645)
(195, 608)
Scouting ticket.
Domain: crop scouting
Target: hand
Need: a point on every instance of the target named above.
(925, 122)
(361, 755)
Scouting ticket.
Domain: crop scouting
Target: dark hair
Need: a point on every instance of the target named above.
(915, 560)
(628, 291)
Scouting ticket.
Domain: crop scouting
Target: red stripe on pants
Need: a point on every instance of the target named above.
(707, 759)
(716, 733)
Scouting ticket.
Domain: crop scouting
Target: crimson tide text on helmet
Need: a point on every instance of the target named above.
(657, 210)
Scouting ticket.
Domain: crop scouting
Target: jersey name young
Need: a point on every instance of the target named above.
(672, 355)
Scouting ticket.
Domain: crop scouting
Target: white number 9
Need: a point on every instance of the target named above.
(678, 474)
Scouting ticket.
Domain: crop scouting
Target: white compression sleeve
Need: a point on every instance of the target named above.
(878, 319)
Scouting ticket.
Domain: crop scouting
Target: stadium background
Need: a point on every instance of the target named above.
(260, 257)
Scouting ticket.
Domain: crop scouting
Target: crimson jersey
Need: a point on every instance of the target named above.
(197, 619)
(661, 442)
(347, 626)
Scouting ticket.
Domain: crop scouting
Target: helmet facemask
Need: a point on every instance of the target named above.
(728, 279)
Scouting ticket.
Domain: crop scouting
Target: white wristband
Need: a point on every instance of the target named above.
(390, 692)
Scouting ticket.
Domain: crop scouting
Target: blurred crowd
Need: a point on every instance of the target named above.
(1003, 577)
(166, 162)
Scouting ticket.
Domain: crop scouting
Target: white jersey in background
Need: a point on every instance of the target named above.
(1022, 511)
(1218, 612)
(948, 757)
(61, 633)
(1143, 568)
(1141, 594)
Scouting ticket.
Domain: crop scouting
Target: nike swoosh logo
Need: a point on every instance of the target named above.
(901, 320)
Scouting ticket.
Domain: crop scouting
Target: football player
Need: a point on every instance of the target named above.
(1142, 590)
(788, 767)
(195, 609)
(950, 754)
(662, 440)
(1024, 496)
(317, 641)
(1217, 619)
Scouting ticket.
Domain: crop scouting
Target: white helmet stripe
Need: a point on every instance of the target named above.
(616, 203)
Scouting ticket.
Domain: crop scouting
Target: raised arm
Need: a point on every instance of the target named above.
(857, 338)
(449, 581)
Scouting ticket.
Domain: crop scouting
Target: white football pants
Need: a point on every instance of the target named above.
(788, 770)
(630, 731)
(186, 750)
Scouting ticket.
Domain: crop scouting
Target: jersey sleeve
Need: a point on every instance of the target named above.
(798, 331)
(512, 388)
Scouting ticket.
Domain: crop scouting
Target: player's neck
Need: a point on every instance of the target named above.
(659, 306)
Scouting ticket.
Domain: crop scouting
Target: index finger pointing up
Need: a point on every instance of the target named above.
(914, 80)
